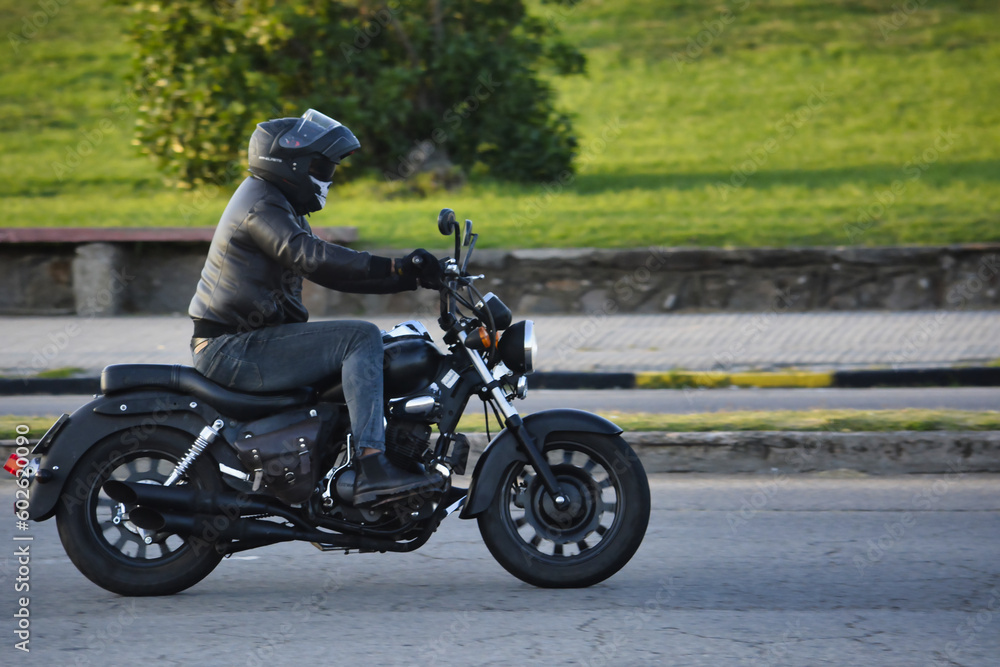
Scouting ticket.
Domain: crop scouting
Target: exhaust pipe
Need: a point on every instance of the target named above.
(213, 528)
(206, 516)
(188, 499)
(251, 533)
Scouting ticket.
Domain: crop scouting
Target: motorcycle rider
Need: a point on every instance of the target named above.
(250, 325)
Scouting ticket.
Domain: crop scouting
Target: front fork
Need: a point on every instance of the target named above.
(514, 423)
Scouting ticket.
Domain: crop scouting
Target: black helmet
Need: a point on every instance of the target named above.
(299, 155)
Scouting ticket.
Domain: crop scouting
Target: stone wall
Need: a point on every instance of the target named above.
(109, 279)
(36, 281)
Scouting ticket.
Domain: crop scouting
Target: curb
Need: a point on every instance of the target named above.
(973, 376)
(791, 452)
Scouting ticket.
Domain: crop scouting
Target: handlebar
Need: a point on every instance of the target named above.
(455, 280)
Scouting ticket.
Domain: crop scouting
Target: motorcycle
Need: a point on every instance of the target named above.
(162, 475)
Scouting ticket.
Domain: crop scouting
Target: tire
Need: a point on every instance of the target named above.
(113, 554)
(591, 540)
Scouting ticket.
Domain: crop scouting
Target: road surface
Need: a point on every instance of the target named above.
(752, 570)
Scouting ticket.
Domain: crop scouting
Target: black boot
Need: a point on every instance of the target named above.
(378, 479)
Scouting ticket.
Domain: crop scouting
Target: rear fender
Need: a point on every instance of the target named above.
(131, 417)
(504, 450)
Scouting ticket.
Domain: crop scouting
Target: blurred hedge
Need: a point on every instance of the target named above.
(419, 81)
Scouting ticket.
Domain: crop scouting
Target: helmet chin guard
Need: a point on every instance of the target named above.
(291, 152)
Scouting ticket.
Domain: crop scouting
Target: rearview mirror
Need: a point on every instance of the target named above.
(446, 221)
(468, 233)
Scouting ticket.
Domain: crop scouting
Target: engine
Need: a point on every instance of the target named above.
(406, 445)
(407, 442)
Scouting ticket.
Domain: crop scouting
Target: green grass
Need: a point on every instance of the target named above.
(780, 420)
(53, 373)
(791, 420)
(680, 123)
(60, 373)
(13, 425)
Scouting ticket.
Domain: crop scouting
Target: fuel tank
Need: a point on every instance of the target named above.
(410, 365)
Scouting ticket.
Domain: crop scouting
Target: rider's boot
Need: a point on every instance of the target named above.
(377, 479)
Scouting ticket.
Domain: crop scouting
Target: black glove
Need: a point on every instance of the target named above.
(423, 266)
(433, 276)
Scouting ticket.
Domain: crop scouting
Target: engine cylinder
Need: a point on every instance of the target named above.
(406, 442)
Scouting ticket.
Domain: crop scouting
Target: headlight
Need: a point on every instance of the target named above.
(518, 347)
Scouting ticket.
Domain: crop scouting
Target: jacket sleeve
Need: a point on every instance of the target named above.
(390, 285)
(277, 233)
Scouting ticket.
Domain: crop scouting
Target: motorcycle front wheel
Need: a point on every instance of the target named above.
(587, 541)
(109, 549)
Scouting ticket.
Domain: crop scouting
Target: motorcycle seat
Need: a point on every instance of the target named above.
(119, 378)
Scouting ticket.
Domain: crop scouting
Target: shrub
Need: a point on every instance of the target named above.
(419, 81)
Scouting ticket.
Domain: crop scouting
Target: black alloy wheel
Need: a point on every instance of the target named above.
(587, 540)
(106, 546)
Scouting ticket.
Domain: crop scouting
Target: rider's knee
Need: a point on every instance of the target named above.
(369, 336)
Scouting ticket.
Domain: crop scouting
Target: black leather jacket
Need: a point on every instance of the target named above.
(260, 253)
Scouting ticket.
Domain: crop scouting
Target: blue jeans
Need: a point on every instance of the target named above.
(289, 356)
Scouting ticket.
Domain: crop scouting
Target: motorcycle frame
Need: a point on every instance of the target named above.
(520, 442)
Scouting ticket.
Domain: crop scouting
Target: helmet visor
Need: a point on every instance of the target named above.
(322, 168)
(310, 127)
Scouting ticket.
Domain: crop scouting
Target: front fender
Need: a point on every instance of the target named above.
(504, 450)
(103, 417)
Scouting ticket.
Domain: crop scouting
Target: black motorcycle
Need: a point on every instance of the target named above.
(153, 482)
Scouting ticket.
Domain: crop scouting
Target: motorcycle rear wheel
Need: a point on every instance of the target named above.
(580, 545)
(105, 546)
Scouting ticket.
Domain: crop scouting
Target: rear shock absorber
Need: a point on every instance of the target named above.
(204, 439)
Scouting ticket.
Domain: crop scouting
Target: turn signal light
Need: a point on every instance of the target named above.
(479, 340)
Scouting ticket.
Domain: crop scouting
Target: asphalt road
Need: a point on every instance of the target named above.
(754, 570)
(668, 400)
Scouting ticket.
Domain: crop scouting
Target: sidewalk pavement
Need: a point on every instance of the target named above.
(828, 341)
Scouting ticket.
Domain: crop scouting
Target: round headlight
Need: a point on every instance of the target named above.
(518, 347)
